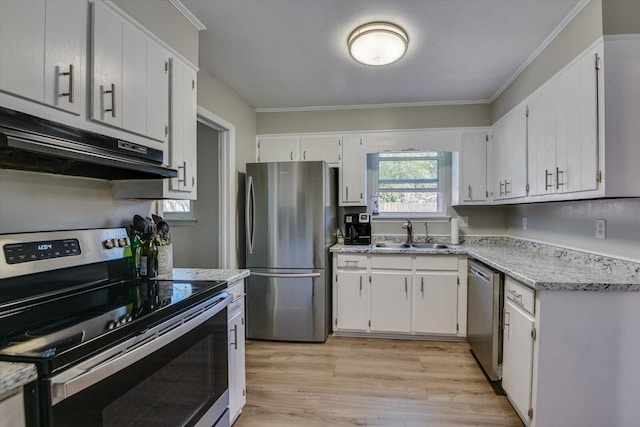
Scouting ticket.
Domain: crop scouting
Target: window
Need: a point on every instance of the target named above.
(409, 182)
(177, 209)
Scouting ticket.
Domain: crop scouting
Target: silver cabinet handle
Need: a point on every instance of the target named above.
(360, 285)
(506, 187)
(291, 155)
(501, 192)
(304, 154)
(235, 337)
(70, 74)
(347, 192)
(286, 275)
(470, 191)
(350, 261)
(250, 219)
(184, 173)
(113, 100)
(547, 185)
(558, 173)
(507, 318)
(422, 285)
(406, 288)
(515, 294)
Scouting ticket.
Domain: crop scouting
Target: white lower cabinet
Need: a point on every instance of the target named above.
(403, 295)
(237, 374)
(390, 301)
(517, 351)
(352, 296)
(435, 300)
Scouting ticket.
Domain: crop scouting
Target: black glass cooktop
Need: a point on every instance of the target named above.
(56, 332)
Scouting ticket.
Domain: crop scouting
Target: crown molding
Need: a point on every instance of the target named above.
(567, 19)
(187, 14)
(370, 106)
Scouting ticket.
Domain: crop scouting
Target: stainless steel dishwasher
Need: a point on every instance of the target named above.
(485, 303)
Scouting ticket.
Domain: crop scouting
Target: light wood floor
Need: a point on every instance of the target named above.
(369, 382)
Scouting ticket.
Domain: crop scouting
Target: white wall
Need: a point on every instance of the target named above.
(196, 245)
(32, 201)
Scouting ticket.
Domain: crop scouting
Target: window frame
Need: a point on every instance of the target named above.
(186, 217)
(442, 190)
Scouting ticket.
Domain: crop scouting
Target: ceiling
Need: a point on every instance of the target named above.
(291, 54)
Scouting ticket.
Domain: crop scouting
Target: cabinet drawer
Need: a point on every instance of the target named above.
(236, 289)
(391, 262)
(437, 262)
(352, 261)
(520, 294)
(235, 307)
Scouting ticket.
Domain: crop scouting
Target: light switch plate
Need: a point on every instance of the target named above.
(463, 221)
(524, 223)
(601, 228)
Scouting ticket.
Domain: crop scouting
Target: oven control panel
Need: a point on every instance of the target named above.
(15, 253)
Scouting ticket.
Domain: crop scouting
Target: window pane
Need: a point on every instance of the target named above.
(402, 185)
(176, 206)
(408, 202)
(413, 173)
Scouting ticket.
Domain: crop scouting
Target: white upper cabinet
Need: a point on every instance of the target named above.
(325, 148)
(299, 148)
(469, 170)
(41, 51)
(353, 190)
(563, 130)
(510, 155)
(130, 85)
(280, 149)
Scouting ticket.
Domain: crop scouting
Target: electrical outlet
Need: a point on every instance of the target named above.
(601, 228)
(524, 223)
(463, 221)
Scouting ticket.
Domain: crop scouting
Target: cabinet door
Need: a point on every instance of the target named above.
(107, 66)
(283, 149)
(157, 102)
(390, 302)
(22, 34)
(474, 167)
(134, 80)
(435, 303)
(237, 379)
(352, 301)
(539, 174)
(325, 148)
(515, 154)
(352, 172)
(64, 70)
(517, 356)
(499, 167)
(190, 151)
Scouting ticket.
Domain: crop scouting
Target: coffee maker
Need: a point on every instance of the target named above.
(358, 229)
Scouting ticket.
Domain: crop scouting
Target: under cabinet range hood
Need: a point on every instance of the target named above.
(34, 144)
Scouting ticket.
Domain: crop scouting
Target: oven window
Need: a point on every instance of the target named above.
(173, 386)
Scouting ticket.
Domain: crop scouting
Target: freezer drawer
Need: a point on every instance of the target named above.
(288, 305)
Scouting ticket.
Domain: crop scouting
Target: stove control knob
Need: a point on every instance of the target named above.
(111, 324)
(109, 244)
(124, 319)
(122, 242)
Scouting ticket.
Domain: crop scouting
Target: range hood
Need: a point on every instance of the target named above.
(34, 144)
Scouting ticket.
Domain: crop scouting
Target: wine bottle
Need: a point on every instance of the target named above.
(149, 258)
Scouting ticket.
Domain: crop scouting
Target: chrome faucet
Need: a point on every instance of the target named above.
(426, 232)
(409, 227)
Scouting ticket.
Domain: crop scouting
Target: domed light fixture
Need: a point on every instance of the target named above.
(378, 43)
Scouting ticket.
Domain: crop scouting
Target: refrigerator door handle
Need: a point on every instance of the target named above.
(286, 275)
(250, 217)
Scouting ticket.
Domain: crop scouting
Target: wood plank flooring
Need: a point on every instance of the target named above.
(369, 382)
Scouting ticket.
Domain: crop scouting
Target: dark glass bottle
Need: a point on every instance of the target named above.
(149, 258)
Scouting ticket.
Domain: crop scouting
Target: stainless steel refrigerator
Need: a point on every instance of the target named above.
(290, 225)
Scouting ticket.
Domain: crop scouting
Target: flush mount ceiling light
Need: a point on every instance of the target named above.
(378, 43)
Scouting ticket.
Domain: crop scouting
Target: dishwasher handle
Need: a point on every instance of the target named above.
(479, 274)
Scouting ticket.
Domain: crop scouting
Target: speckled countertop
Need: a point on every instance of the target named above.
(14, 375)
(205, 274)
(541, 267)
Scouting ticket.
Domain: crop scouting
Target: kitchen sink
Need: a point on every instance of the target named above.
(394, 245)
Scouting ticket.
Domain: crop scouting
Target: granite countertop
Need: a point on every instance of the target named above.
(538, 266)
(14, 375)
(205, 274)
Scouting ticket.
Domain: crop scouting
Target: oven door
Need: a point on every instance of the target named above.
(174, 374)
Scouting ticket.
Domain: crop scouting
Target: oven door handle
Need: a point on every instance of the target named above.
(94, 370)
